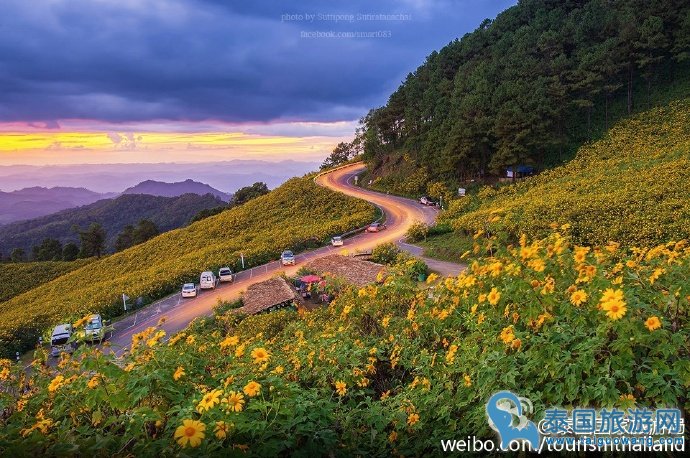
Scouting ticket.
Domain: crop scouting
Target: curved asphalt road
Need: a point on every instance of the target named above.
(400, 214)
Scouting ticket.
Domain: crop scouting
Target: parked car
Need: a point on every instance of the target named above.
(60, 340)
(189, 290)
(337, 241)
(287, 258)
(225, 274)
(427, 201)
(96, 329)
(376, 227)
(207, 280)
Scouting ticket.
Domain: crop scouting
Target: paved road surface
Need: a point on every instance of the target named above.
(400, 214)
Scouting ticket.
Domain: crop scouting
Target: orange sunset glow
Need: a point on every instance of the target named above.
(62, 147)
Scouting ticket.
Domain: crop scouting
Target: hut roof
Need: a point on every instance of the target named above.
(266, 294)
(355, 271)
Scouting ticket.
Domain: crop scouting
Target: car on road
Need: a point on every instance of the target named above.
(189, 290)
(425, 200)
(95, 329)
(337, 241)
(225, 274)
(376, 227)
(60, 340)
(287, 258)
(207, 280)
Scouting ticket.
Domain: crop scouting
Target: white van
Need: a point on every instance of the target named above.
(60, 340)
(207, 280)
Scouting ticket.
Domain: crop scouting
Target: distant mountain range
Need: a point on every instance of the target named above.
(113, 214)
(38, 201)
(159, 188)
(34, 202)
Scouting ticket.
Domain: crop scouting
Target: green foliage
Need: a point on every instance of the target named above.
(18, 255)
(631, 186)
(92, 241)
(387, 369)
(418, 231)
(244, 195)
(131, 235)
(70, 252)
(385, 253)
(48, 250)
(16, 279)
(527, 88)
(113, 214)
(205, 213)
(296, 215)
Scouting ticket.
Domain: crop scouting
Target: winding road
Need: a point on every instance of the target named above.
(399, 212)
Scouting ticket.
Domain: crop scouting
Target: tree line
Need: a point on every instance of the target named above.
(530, 86)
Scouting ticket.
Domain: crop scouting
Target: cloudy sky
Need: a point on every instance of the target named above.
(97, 81)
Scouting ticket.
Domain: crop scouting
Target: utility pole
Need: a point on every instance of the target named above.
(242, 259)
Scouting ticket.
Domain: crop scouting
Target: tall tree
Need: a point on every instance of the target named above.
(18, 255)
(70, 252)
(92, 241)
(48, 250)
(248, 193)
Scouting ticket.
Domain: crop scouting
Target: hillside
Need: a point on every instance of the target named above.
(17, 278)
(159, 188)
(527, 88)
(631, 187)
(296, 215)
(113, 214)
(38, 201)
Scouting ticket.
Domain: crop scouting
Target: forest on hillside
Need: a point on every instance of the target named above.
(527, 88)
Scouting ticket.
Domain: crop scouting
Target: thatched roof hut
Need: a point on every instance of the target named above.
(268, 295)
(355, 271)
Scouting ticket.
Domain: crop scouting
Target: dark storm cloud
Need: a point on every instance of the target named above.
(129, 60)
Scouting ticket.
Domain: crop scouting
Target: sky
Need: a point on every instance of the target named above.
(126, 81)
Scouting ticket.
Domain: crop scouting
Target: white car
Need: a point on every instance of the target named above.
(60, 340)
(225, 274)
(207, 280)
(337, 241)
(189, 290)
(287, 258)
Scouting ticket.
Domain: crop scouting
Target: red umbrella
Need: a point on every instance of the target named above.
(310, 279)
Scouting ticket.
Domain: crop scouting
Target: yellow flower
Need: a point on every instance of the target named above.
(56, 383)
(431, 278)
(507, 335)
(179, 373)
(412, 418)
(393, 436)
(209, 401)
(468, 380)
(615, 310)
(494, 296)
(93, 383)
(480, 318)
(578, 297)
(229, 341)
(653, 323)
(655, 275)
(278, 370)
(260, 355)
(251, 389)
(450, 355)
(340, 388)
(221, 430)
(613, 303)
(235, 401)
(191, 433)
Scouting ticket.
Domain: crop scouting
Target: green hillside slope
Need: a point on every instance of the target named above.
(296, 215)
(17, 278)
(631, 187)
